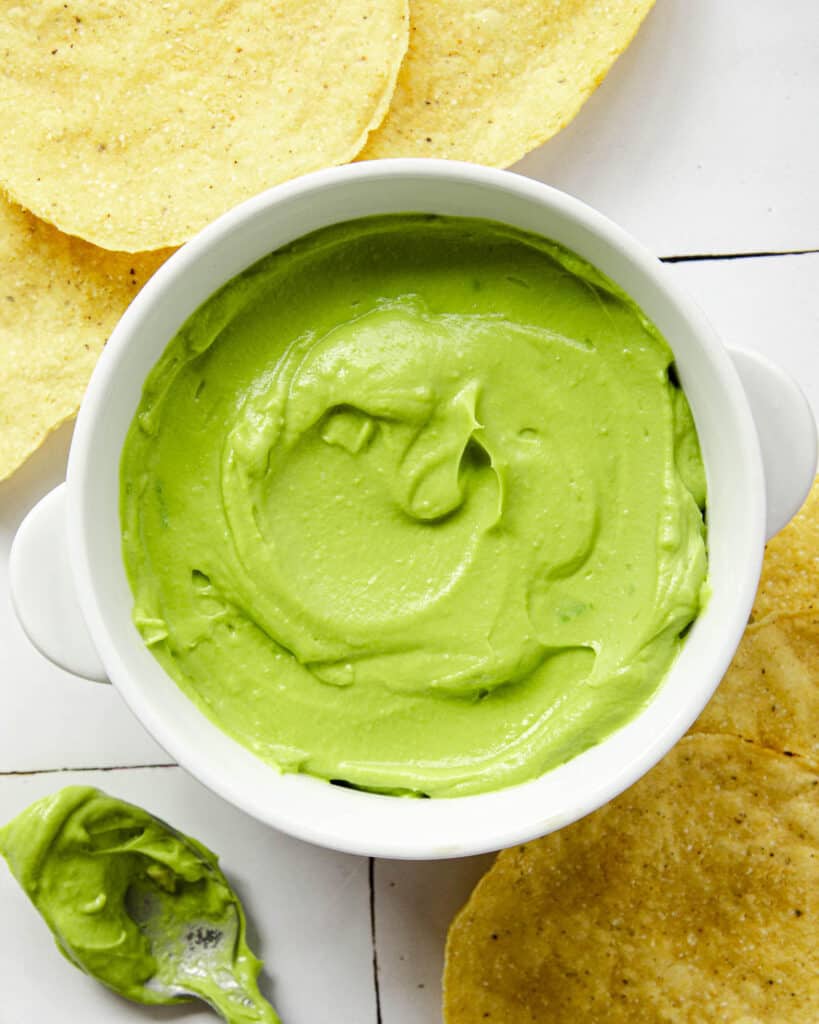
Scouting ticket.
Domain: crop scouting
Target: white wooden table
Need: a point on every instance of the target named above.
(704, 143)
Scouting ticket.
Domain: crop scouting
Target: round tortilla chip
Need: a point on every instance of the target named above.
(770, 694)
(694, 896)
(490, 82)
(132, 125)
(59, 300)
(790, 572)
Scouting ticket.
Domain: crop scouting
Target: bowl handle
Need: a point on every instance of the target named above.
(787, 435)
(42, 590)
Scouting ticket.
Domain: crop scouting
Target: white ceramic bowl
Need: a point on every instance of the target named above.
(54, 573)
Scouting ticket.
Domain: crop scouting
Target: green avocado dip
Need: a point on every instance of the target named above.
(88, 862)
(415, 504)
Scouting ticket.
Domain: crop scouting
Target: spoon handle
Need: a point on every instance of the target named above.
(240, 1005)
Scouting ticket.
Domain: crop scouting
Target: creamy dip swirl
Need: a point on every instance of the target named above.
(415, 504)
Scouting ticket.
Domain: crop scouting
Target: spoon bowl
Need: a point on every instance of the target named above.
(199, 958)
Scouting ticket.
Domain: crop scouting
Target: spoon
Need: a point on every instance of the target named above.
(199, 958)
(135, 903)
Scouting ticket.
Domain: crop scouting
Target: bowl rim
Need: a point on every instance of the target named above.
(348, 834)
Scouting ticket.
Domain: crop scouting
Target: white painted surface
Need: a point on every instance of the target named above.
(702, 140)
(414, 903)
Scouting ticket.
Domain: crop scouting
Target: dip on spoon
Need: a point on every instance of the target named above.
(139, 906)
